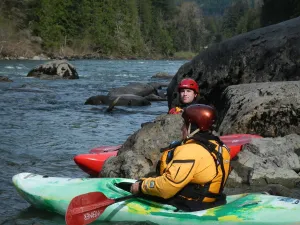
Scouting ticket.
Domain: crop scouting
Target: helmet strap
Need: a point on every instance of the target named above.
(189, 128)
(189, 131)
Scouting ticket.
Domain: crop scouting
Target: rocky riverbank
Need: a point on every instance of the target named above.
(253, 81)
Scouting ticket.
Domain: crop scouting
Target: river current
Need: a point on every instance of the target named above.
(44, 123)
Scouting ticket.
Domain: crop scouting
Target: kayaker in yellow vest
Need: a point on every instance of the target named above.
(191, 176)
(188, 90)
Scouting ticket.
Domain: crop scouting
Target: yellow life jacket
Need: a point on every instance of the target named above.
(212, 190)
(166, 157)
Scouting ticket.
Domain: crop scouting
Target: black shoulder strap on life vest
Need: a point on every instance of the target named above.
(170, 152)
(172, 145)
(205, 137)
(203, 140)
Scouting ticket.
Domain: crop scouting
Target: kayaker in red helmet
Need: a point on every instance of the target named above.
(193, 174)
(188, 90)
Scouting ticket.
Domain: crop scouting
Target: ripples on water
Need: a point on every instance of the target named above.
(44, 123)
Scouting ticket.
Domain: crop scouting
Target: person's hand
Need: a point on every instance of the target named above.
(135, 188)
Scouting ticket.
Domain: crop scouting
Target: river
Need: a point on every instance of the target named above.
(44, 123)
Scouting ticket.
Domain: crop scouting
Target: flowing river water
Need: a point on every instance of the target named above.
(44, 123)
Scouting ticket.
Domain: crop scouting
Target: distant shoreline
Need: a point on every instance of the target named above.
(90, 58)
(96, 57)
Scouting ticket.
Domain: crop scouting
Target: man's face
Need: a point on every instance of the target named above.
(187, 95)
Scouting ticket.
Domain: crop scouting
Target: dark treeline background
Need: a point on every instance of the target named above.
(130, 28)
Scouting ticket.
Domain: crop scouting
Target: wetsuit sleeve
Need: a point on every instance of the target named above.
(180, 171)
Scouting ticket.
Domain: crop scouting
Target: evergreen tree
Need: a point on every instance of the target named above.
(103, 27)
(232, 17)
(127, 32)
(214, 28)
(190, 26)
(50, 22)
(249, 21)
(16, 11)
(166, 8)
(138, 27)
(161, 40)
(146, 20)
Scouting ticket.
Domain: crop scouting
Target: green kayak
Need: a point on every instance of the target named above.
(54, 194)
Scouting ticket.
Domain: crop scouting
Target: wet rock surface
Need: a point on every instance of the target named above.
(5, 79)
(133, 94)
(120, 100)
(266, 161)
(270, 109)
(59, 69)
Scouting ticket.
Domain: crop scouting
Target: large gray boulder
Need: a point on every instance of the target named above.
(158, 85)
(266, 54)
(134, 89)
(153, 97)
(133, 94)
(59, 69)
(119, 100)
(97, 100)
(270, 109)
(140, 153)
(266, 161)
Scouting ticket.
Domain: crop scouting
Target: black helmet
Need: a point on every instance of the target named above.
(203, 116)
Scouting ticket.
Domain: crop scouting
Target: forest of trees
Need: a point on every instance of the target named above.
(131, 28)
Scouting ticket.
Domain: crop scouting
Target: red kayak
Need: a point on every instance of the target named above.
(236, 141)
(92, 163)
(103, 149)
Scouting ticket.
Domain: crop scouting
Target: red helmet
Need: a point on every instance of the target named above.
(190, 84)
(203, 116)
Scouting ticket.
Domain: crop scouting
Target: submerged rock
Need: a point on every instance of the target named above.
(162, 75)
(119, 100)
(133, 89)
(5, 79)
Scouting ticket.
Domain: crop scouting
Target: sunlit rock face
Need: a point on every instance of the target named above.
(269, 109)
